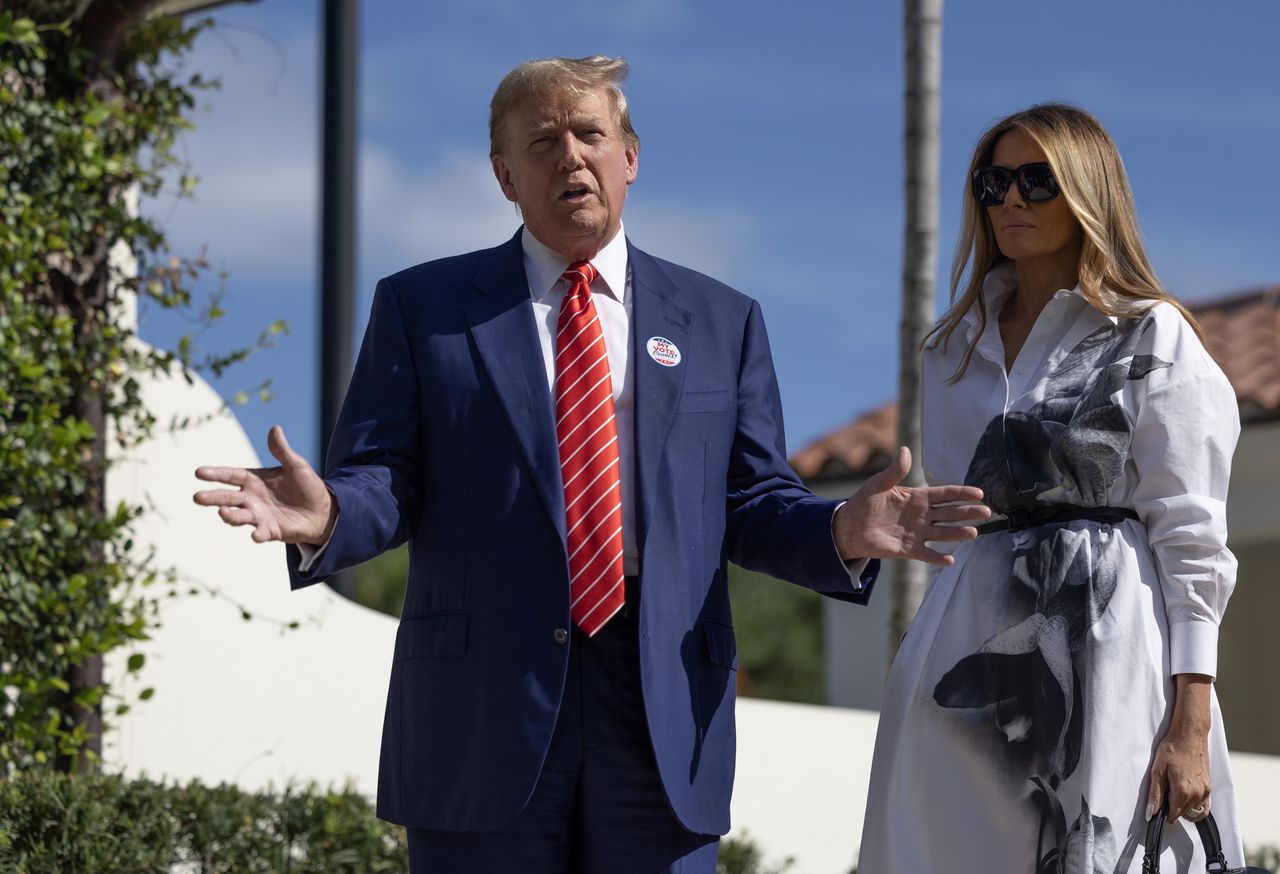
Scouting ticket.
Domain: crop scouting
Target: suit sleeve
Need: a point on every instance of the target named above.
(775, 525)
(374, 464)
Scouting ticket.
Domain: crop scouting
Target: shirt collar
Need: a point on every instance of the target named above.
(1000, 282)
(544, 267)
(997, 285)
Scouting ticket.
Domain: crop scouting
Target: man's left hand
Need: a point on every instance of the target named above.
(883, 519)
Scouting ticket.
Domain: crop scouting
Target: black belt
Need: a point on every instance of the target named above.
(1020, 518)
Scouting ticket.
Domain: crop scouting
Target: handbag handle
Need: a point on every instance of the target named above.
(1215, 859)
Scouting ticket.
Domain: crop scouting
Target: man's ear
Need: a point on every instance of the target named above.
(633, 163)
(503, 174)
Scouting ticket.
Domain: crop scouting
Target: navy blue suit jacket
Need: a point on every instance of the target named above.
(446, 439)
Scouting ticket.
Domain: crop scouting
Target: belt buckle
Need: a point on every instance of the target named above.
(1019, 518)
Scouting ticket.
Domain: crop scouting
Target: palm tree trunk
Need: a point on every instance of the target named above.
(922, 30)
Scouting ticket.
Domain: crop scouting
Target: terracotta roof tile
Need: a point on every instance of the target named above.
(1242, 333)
(865, 444)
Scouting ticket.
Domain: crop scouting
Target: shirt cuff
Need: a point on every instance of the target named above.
(1193, 648)
(311, 554)
(855, 566)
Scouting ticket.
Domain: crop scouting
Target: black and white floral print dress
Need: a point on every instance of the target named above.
(1022, 712)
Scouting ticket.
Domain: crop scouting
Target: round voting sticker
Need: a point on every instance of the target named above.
(663, 351)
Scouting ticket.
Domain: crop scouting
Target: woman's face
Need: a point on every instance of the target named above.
(1030, 231)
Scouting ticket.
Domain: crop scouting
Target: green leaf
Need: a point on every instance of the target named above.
(90, 697)
(76, 584)
(73, 583)
(96, 116)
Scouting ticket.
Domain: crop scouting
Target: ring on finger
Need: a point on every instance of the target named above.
(1195, 814)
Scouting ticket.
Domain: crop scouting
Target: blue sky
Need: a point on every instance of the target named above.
(771, 156)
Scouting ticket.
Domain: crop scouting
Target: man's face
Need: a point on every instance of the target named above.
(567, 163)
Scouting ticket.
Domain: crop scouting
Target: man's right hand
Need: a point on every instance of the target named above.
(290, 503)
(884, 519)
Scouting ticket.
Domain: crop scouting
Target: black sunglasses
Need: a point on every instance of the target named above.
(1035, 183)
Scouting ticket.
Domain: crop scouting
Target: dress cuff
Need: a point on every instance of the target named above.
(1193, 648)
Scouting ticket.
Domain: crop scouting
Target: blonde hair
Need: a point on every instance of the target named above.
(1114, 269)
(561, 76)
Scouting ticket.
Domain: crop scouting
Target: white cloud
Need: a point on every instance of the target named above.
(255, 150)
(411, 214)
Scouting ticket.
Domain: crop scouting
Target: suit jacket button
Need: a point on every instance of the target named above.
(561, 635)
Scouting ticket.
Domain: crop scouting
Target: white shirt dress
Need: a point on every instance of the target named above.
(1023, 709)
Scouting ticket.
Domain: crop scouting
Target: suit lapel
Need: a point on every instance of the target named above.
(657, 387)
(502, 325)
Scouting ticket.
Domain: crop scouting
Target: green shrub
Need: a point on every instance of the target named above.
(742, 855)
(103, 825)
(779, 631)
(106, 824)
(1264, 857)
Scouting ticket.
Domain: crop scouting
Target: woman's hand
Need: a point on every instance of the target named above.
(1181, 767)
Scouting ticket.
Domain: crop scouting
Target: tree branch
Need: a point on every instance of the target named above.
(103, 25)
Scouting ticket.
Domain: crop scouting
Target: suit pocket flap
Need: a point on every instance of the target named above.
(431, 635)
(722, 649)
(705, 401)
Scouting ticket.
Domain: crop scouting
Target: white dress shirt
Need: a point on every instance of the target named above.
(611, 294)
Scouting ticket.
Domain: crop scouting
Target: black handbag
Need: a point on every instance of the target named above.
(1215, 860)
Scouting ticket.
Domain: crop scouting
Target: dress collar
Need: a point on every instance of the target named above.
(1000, 282)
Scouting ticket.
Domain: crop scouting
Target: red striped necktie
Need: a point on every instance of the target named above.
(588, 440)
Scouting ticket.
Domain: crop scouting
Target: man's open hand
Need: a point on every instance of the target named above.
(290, 503)
(883, 519)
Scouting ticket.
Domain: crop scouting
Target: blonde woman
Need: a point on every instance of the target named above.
(1056, 686)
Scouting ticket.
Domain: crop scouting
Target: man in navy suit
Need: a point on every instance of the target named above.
(562, 690)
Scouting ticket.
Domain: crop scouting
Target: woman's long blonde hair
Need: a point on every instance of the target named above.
(1113, 263)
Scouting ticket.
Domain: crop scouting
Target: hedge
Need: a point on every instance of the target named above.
(106, 824)
(109, 825)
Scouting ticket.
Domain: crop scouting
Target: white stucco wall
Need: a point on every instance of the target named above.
(1253, 513)
(241, 701)
(250, 703)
